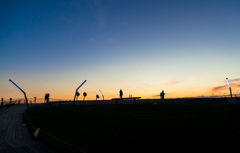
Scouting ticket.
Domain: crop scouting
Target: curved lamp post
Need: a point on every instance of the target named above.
(101, 94)
(22, 92)
(77, 94)
(77, 90)
(229, 87)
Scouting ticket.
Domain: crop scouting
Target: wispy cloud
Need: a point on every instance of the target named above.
(218, 88)
(224, 87)
(170, 83)
(235, 83)
(237, 80)
(149, 58)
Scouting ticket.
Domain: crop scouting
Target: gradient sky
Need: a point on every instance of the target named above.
(185, 47)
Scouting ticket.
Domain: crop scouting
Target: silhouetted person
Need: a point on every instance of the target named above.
(45, 98)
(48, 97)
(120, 93)
(162, 94)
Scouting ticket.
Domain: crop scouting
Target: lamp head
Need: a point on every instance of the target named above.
(100, 92)
(228, 83)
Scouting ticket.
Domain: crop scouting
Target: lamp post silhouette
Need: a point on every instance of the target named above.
(22, 92)
(101, 93)
(84, 95)
(229, 87)
(77, 94)
(77, 90)
(97, 96)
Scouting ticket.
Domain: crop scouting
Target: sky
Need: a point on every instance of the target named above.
(185, 47)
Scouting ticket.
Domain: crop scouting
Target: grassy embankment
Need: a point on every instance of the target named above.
(142, 128)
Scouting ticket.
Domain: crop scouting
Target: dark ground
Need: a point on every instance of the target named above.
(143, 128)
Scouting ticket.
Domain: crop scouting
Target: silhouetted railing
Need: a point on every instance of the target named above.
(14, 102)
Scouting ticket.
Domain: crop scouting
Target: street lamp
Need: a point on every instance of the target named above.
(77, 90)
(229, 87)
(101, 94)
(22, 92)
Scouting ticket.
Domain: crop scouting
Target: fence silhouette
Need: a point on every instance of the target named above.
(12, 102)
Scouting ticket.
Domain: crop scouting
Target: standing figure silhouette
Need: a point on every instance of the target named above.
(162, 94)
(45, 98)
(48, 97)
(120, 93)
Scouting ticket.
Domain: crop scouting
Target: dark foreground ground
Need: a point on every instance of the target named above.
(148, 101)
(143, 128)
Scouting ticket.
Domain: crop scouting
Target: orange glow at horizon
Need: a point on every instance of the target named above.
(172, 89)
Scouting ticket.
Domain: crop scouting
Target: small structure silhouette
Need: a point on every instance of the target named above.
(120, 93)
(162, 94)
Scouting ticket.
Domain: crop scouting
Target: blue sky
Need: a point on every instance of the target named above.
(183, 47)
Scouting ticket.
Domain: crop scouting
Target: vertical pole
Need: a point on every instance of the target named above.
(2, 102)
(10, 101)
(230, 92)
(75, 95)
(26, 100)
(35, 99)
